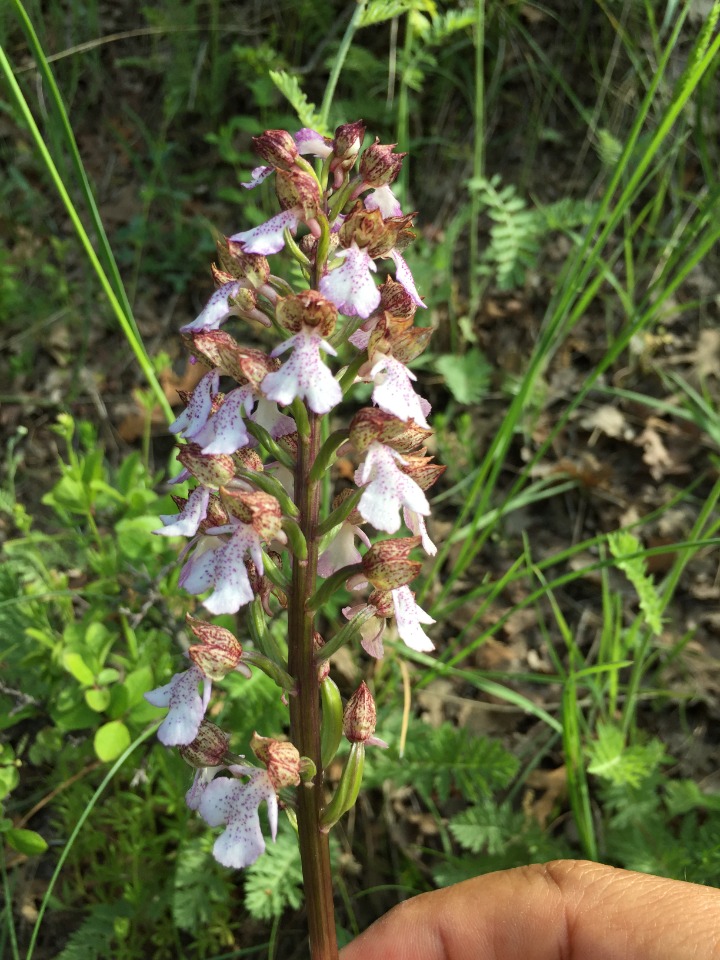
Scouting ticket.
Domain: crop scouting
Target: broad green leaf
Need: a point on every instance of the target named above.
(26, 841)
(97, 700)
(111, 739)
(75, 664)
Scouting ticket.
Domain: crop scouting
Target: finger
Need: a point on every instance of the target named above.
(565, 910)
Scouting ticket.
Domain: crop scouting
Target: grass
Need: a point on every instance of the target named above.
(530, 528)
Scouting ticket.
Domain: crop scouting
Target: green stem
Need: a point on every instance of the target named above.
(305, 708)
(339, 60)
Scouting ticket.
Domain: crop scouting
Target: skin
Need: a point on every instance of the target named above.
(565, 910)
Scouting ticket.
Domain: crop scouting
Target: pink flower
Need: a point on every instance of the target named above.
(225, 431)
(416, 523)
(219, 308)
(235, 804)
(351, 286)
(228, 573)
(304, 375)
(187, 707)
(393, 392)
(405, 277)
(408, 617)
(195, 415)
(186, 523)
(387, 489)
(268, 237)
(341, 551)
(268, 416)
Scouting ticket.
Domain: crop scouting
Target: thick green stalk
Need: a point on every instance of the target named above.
(305, 707)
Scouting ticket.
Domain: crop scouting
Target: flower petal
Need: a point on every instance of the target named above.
(186, 523)
(405, 277)
(408, 617)
(311, 142)
(232, 585)
(351, 286)
(216, 310)
(304, 375)
(393, 391)
(236, 804)
(186, 708)
(194, 416)
(257, 176)
(268, 237)
(387, 488)
(225, 431)
(384, 200)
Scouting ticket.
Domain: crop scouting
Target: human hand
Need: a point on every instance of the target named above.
(564, 910)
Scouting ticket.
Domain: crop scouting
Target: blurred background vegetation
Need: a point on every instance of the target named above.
(564, 163)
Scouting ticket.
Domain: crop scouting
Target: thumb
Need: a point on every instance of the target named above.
(554, 911)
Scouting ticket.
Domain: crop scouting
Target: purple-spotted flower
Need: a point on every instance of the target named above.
(387, 489)
(311, 318)
(235, 804)
(186, 706)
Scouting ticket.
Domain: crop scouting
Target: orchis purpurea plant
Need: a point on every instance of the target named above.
(257, 446)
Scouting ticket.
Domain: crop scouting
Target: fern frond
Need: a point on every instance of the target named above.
(622, 544)
(438, 760)
(619, 764)
(377, 11)
(289, 87)
(274, 881)
(93, 940)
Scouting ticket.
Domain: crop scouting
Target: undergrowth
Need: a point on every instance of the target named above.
(600, 266)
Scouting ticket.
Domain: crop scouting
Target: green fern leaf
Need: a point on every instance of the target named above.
(289, 86)
(377, 11)
(438, 760)
(467, 376)
(622, 544)
(619, 764)
(94, 939)
(274, 881)
(194, 904)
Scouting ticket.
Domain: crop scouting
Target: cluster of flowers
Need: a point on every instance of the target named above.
(240, 449)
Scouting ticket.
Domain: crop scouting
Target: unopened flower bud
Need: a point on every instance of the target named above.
(240, 265)
(360, 716)
(383, 602)
(323, 665)
(216, 515)
(422, 470)
(281, 759)
(260, 510)
(346, 145)
(295, 188)
(370, 425)
(248, 459)
(277, 148)
(379, 165)
(209, 747)
(395, 299)
(209, 345)
(219, 652)
(387, 564)
(307, 309)
(210, 469)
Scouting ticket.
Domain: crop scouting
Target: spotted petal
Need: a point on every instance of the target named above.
(408, 617)
(351, 286)
(216, 310)
(268, 237)
(186, 523)
(405, 277)
(235, 804)
(387, 489)
(186, 706)
(225, 431)
(304, 375)
(393, 391)
(232, 585)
